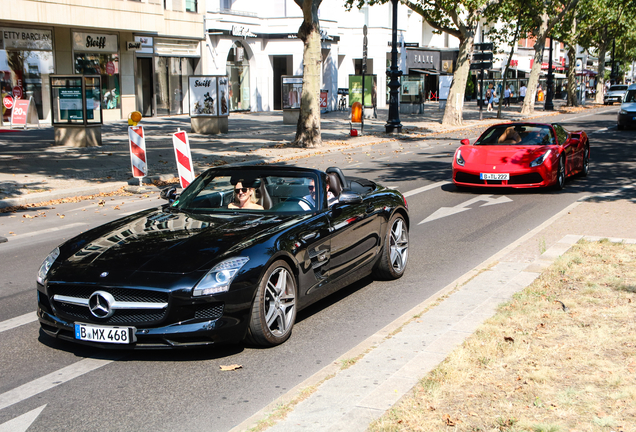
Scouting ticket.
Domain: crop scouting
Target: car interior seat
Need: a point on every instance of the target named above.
(334, 184)
(339, 177)
(263, 196)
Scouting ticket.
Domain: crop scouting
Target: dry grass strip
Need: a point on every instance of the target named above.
(561, 356)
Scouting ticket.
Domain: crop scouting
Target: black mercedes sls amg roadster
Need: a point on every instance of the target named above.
(234, 256)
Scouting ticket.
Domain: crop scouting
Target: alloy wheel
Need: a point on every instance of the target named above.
(399, 245)
(280, 302)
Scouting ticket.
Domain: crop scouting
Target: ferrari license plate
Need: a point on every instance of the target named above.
(117, 335)
(494, 176)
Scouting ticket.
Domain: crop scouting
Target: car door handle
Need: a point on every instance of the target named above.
(370, 209)
(307, 237)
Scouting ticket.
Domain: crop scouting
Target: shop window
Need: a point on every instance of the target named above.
(171, 84)
(107, 66)
(238, 71)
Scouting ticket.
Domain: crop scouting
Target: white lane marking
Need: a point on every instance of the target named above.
(383, 158)
(448, 211)
(599, 131)
(23, 422)
(425, 188)
(18, 321)
(48, 230)
(355, 164)
(587, 115)
(49, 381)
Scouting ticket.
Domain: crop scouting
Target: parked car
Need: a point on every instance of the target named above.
(522, 155)
(627, 113)
(199, 271)
(616, 93)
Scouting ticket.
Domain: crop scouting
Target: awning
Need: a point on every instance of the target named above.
(425, 71)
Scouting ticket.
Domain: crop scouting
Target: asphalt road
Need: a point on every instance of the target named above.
(47, 385)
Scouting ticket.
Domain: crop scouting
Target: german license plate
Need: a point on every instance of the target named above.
(494, 176)
(117, 335)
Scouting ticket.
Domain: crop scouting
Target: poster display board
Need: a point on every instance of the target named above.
(24, 112)
(208, 96)
(370, 89)
(445, 82)
(76, 99)
(292, 88)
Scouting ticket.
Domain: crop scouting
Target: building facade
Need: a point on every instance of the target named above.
(143, 50)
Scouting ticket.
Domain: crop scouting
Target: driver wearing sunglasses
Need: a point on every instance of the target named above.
(244, 198)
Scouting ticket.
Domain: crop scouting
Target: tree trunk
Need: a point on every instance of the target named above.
(505, 77)
(455, 102)
(573, 100)
(533, 81)
(308, 129)
(600, 76)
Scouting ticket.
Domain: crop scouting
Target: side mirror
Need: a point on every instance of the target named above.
(349, 197)
(169, 193)
(465, 141)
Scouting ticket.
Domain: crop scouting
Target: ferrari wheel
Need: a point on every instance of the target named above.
(560, 181)
(395, 251)
(585, 169)
(274, 308)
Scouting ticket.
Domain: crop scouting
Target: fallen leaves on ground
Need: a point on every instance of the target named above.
(231, 367)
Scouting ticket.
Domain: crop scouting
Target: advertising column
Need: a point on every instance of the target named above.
(98, 54)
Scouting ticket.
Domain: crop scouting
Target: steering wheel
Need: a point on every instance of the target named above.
(297, 201)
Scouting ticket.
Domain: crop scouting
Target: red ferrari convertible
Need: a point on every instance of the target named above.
(522, 155)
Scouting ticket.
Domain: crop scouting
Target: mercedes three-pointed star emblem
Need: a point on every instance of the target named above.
(100, 303)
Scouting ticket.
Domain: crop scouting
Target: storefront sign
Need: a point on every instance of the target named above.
(133, 46)
(20, 38)
(24, 112)
(419, 59)
(203, 96)
(17, 92)
(94, 42)
(242, 31)
(146, 44)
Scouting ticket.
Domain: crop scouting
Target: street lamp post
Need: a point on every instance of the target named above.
(393, 122)
(549, 106)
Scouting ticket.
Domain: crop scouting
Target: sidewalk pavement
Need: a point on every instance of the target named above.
(387, 365)
(33, 170)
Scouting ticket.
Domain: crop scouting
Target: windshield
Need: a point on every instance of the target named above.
(518, 135)
(630, 96)
(618, 88)
(249, 191)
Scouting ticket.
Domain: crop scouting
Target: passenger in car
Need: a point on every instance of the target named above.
(510, 136)
(244, 198)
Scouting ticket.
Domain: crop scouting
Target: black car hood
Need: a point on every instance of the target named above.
(166, 242)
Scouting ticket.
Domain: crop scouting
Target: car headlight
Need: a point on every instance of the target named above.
(538, 161)
(218, 279)
(622, 111)
(459, 159)
(46, 265)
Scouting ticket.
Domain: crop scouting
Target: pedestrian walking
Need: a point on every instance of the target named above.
(490, 96)
(507, 94)
(522, 92)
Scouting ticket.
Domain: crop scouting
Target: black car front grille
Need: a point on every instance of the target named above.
(526, 178)
(120, 294)
(212, 311)
(463, 177)
(131, 317)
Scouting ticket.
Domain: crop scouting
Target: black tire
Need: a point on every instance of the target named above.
(620, 126)
(274, 308)
(560, 182)
(585, 169)
(395, 250)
